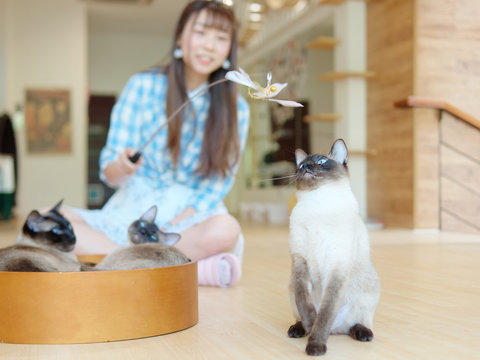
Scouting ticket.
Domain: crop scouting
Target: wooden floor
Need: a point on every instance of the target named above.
(429, 307)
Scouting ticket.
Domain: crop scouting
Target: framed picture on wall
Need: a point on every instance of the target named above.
(47, 121)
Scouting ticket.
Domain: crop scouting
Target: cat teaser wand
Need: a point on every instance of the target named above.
(137, 155)
(239, 77)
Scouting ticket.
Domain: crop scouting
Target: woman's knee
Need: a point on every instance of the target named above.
(71, 215)
(225, 228)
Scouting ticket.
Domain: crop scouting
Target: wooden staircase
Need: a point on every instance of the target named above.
(458, 159)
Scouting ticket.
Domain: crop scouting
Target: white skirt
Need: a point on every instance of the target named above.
(132, 200)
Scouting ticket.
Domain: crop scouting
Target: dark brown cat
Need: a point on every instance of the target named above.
(45, 243)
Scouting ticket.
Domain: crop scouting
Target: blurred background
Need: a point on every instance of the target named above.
(348, 62)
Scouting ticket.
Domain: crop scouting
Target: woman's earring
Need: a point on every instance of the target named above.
(226, 64)
(178, 53)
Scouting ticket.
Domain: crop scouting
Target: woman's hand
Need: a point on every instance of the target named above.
(118, 171)
(127, 166)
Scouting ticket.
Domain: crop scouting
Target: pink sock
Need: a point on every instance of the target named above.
(222, 270)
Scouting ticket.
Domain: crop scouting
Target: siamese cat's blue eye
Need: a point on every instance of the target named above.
(142, 224)
(56, 231)
(153, 238)
(322, 161)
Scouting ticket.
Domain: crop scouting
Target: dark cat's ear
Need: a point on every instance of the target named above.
(171, 239)
(150, 214)
(339, 152)
(300, 155)
(37, 223)
(33, 221)
(57, 207)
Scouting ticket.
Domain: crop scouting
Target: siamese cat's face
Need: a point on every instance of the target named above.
(144, 230)
(316, 170)
(50, 229)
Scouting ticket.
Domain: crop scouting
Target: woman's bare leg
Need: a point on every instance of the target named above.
(89, 240)
(214, 235)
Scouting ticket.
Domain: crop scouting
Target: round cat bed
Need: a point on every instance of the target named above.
(97, 306)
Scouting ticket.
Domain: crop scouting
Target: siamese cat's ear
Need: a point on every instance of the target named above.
(33, 221)
(300, 155)
(171, 238)
(57, 207)
(150, 214)
(37, 223)
(339, 152)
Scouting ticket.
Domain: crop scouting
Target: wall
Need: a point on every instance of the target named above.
(45, 43)
(390, 54)
(448, 52)
(3, 65)
(114, 57)
(350, 94)
(448, 68)
(319, 94)
(427, 48)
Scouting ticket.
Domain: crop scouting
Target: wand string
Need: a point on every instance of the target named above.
(134, 158)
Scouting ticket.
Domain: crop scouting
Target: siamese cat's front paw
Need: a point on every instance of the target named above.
(315, 349)
(361, 333)
(296, 330)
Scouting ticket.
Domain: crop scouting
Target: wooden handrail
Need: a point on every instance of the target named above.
(416, 101)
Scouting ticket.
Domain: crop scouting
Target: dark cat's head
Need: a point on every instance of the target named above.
(315, 170)
(50, 229)
(144, 230)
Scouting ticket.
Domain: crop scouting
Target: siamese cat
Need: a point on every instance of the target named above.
(334, 287)
(150, 247)
(45, 243)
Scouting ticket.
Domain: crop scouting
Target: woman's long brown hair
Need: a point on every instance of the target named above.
(220, 148)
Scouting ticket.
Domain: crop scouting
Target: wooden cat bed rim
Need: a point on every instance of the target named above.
(97, 306)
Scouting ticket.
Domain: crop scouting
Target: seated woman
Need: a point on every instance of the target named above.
(190, 166)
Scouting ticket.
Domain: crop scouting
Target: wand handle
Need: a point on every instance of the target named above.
(135, 157)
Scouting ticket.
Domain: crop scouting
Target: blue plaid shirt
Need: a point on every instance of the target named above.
(140, 110)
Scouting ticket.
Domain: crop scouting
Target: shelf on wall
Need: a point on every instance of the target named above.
(367, 153)
(340, 75)
(323, 43)
(323, 117)
(330, 2)
(333, 2)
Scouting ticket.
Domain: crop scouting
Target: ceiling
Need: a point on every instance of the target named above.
(122, 16)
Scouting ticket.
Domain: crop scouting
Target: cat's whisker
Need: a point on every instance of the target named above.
(277, 178)
(292, 181)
